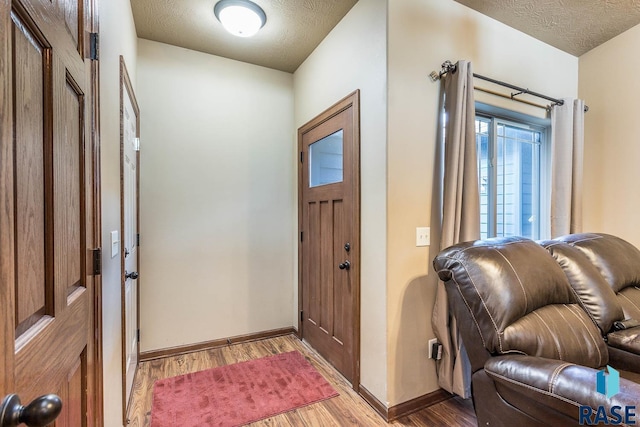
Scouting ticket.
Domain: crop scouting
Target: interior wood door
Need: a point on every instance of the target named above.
(329, 222)
(130, 175)
(47, 219)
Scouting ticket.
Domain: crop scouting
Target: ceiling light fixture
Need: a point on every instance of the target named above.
(242, 18)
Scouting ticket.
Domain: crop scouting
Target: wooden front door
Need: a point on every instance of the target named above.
(48, 221)
(129, 133)
(329, 222)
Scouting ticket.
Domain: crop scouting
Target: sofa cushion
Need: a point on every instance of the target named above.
(626, 339)
(592, 290)
(618, 261)
(559, 331)
(629, 299)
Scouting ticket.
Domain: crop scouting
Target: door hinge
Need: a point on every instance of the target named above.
(96, 262)
(302, 236)
(94, 45)
(138, 239)
(301, 157)
(301, 316)
(138, 332)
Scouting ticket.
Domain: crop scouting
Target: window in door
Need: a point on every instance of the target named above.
(326, 160)
(512, 176)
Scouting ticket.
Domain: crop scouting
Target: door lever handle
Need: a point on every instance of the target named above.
(133, 275)
(345, 265)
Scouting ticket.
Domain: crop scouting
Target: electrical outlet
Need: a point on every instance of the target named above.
(423, 236)
(430, 346)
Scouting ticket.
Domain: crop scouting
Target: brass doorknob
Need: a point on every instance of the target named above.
(39, 413)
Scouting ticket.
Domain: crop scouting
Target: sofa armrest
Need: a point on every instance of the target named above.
(625, 339)
(571, 386)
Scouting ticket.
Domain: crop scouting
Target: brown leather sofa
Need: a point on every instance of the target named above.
(535, 353)
(604, 273)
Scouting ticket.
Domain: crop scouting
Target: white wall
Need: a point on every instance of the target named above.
(609, 84)
(117, 37)
(216, 190)
(422, 35)
(353, 56)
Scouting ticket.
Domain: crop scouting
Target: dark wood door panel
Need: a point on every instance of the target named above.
(341, 295)
(49, 21)
(71, 393)
(46, 352)
(46, 195)
(329, 219)
(73, 12)
(69, 184)
(30, 69)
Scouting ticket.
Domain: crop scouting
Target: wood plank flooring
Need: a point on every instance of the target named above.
(344, 410)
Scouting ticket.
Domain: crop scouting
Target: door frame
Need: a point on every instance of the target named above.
(352, 100)
(94, 83)
(125, 85)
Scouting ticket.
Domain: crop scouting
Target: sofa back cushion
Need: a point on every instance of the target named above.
(557, 331)
(617, 261)
(520, 300)
(593, 292)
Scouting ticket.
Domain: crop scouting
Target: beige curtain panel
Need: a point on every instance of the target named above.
(567, 152)
(460, 215)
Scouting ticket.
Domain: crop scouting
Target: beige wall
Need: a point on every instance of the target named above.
(609, 84)
(422, 34)
(117, 37)
(353, 56)
(216, 191)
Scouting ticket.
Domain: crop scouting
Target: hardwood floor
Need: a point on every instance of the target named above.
(346, 409)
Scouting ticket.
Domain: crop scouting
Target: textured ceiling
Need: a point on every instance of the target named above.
(575, 26)
(293, 30)
(295, 27)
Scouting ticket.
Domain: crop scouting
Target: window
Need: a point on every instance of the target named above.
(325, 160)
(511, 174)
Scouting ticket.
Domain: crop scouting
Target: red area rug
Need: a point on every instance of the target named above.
(238, 394)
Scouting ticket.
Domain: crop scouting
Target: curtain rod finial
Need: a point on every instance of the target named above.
(434, 76)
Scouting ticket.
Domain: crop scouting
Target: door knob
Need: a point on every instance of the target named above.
(133, 275)
(345, 265)
(39, 413)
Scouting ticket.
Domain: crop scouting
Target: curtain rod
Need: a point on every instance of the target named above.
(502, 95)
(448, 66)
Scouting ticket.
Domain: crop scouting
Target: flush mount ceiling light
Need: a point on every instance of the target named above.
(242, 18)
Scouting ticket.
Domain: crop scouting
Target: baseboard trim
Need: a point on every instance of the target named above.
(417, 404)
(406, 408)
(206, 345)
(373, 401)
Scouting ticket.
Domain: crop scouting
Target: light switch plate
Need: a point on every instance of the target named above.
(423, 236)
(115, 243)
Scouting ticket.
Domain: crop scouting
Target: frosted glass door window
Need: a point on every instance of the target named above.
(325, 160)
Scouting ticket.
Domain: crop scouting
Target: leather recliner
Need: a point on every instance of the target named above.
(604, 273)
(535, 353)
